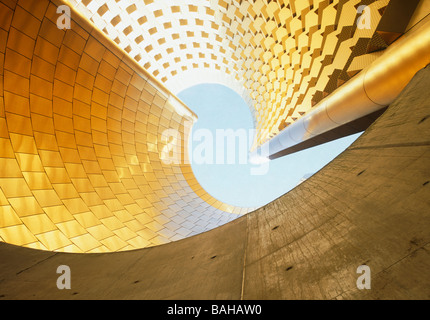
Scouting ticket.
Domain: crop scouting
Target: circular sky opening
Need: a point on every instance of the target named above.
(218, 148)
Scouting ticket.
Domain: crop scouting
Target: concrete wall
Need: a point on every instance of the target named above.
(368, 206)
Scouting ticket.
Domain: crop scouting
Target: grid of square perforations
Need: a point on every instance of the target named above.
(80, 129)
(282, 54)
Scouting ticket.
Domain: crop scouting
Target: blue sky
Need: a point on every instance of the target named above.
(219, 107)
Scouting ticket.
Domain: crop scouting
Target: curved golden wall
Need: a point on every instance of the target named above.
(80, 142)
(281, 56)
(369, 206)
(81, 120)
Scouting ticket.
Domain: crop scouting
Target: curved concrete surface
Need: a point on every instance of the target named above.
(368, 206)
(81, 142)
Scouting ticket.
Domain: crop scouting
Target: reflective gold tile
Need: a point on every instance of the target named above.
(58, 213)
(71, 228)
(8, 217)
(114, 243)
(29, 162)
(100, 232)
(39, 223)
(47, 198)
(87, 219)
(85, 242)
(25, 206)
(101, 211)
(37, 180)
(125, 233)
(9, 168)
(18, 234)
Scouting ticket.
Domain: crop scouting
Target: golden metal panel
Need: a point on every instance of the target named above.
(9, 168)
(17, 104)
(38, 223)
(87, 219)
(47, 198)
(25, 206)
(37, 180)
(114, 243)
(101, 211)
(83, 115)
(65, 190)
(100, 232)
(18, 234)
(85, 242)
(58, 214)
(8, 217)
(53, 240)
(71, 228)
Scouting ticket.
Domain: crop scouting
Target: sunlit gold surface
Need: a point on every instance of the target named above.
(82, 111)
(80, 142)
(384, 81)
(372, 89)
(282, 56)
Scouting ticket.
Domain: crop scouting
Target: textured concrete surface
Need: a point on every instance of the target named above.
(370, 206)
